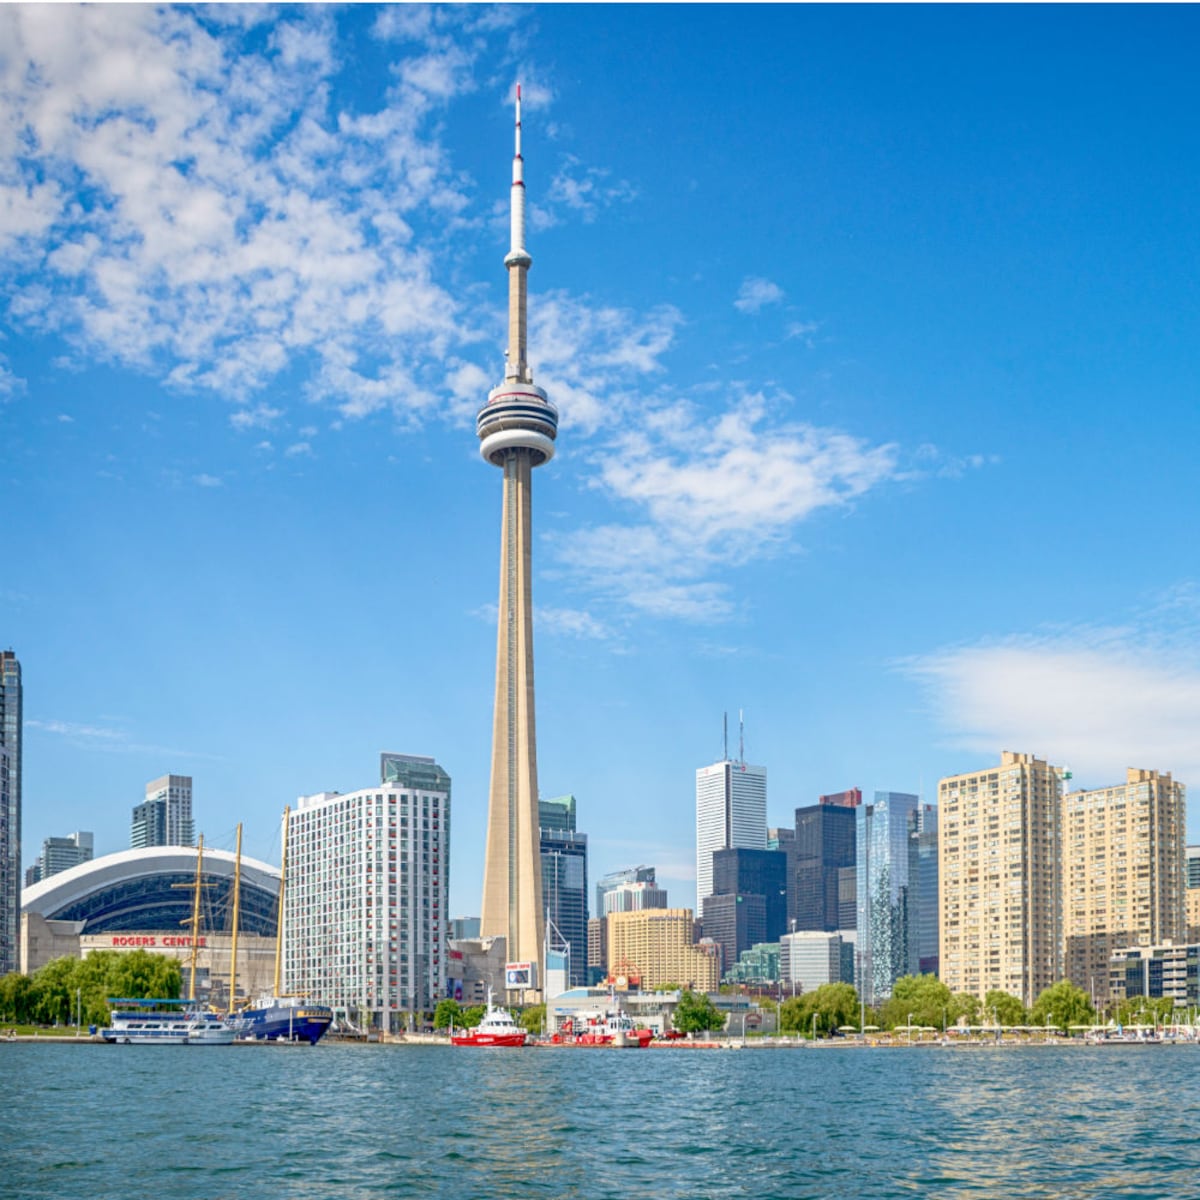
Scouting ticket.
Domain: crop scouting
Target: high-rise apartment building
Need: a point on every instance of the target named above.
(1123, 879)
(731, 812)
(564, 853)
(998, 867)
(365, 899)
(517, 428)
(164, 818)
(656, 946)
(823, 848)
(882, 851)
(60, 854)
(11, 730)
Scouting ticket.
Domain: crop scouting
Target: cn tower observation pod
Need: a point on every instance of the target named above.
(517, 416)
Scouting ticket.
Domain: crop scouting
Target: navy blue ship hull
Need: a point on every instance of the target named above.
(284, 1021)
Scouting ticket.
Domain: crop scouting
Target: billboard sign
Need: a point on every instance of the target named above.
(520, 976)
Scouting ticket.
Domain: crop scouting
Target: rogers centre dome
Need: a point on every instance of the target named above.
(135, 890)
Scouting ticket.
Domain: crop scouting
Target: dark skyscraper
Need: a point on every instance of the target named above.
(735, 922)
(825, 842)
(921, 900)
(762, 873)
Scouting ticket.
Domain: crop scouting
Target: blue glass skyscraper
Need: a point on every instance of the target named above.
(882, 850)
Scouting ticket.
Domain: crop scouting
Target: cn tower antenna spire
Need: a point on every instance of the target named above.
(518, 262)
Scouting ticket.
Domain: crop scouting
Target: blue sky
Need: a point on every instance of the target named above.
(873, 331)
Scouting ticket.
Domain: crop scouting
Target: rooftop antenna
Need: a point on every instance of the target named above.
(741, 738)
(725, 717)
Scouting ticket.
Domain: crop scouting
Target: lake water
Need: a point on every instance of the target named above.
(367, 1122)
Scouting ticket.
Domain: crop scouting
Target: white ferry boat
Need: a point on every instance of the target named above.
(142, 1025)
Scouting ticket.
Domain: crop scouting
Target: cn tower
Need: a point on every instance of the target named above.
(517, 427)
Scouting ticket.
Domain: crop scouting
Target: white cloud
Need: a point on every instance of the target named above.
(180, 198)
(756, 293)
(587, 189)
(108, 739)
(570, 622)
(1096, 699)
(299, 450)
(208, 481)
(929, 460)
(10, 383)
(259, 416)
(735, 479)
(583, 353)
(804, 331)
(712, 490)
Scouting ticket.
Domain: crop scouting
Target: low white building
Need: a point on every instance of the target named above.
(809, 958)
(366, 893)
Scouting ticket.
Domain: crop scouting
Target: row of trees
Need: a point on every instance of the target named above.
(69, 987)
(924, 1000)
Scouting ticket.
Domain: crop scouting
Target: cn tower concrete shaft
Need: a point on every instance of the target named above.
(512, 873)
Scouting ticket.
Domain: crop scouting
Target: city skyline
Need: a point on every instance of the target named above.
(872, 341)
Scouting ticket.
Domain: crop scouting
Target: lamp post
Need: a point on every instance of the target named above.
(814, 1026)
(910, 1017)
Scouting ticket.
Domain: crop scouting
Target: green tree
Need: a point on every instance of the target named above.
(967, 1007)
(696, 1013)
(1005, 1008)
(54, 991)
(1062, 1005)
(533, 1018)
(791, 1015)
(832, 1004)
(447, 1013)
(472, 1016)
(16, 998)
(924, 998)
(142, 975)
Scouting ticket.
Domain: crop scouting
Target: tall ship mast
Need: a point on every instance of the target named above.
(275, 1016)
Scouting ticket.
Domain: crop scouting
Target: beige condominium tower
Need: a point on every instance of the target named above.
(517, 427)
(1123, 873)
(998, 860)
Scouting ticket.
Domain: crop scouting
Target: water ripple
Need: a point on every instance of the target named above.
(368, 1123)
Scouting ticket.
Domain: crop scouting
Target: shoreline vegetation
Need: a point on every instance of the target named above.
(956, 1040)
